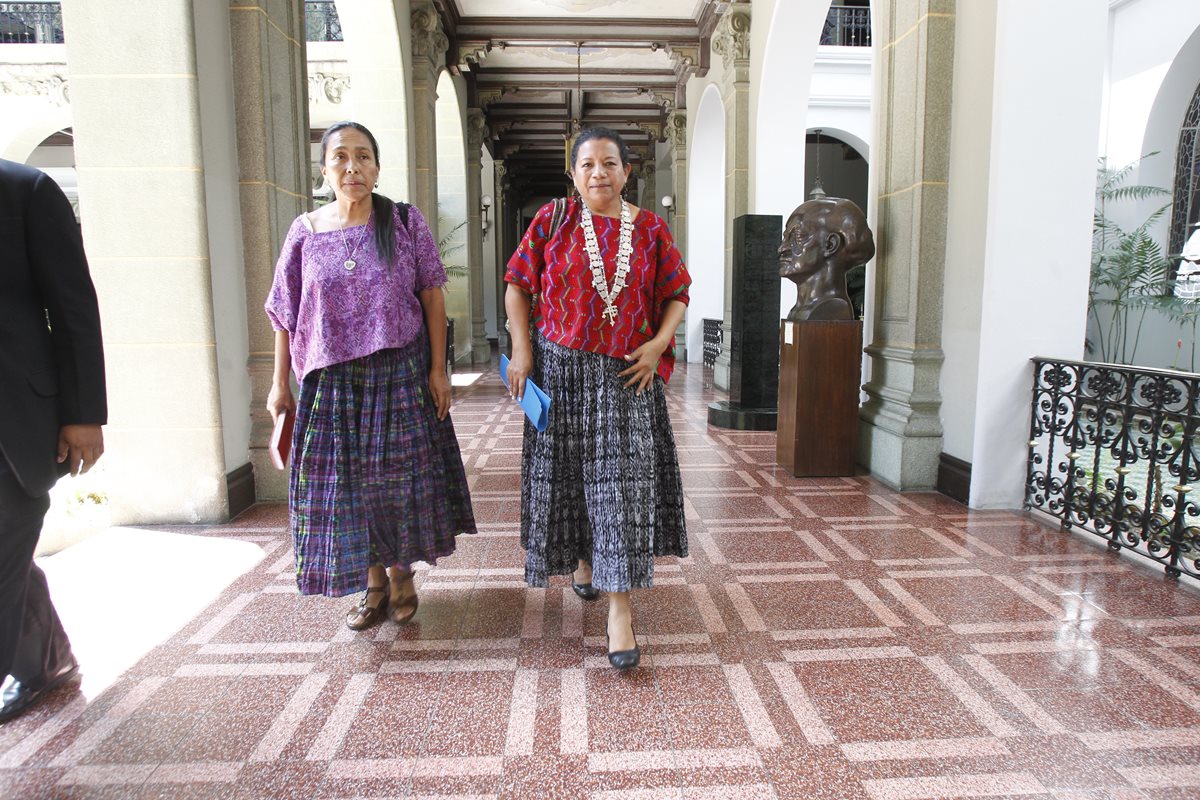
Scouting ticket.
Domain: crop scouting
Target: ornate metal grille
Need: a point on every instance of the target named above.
(1113, 450)
(321, 23)
(31, 23)
(712, 341)
(847, 26)
(1185, 208)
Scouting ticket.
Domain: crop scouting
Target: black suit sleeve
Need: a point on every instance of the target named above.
(60, 272)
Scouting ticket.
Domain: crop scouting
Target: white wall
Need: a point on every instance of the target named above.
(1154, 73)
(1037, 253)
(706, 218)
(221, 191)
(966, 223)
(1147, 36)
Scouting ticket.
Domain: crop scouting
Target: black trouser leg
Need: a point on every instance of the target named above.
(32, 640)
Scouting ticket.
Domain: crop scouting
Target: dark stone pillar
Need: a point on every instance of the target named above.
(754, 332)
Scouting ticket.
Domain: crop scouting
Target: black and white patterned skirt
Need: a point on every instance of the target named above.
(602, 482)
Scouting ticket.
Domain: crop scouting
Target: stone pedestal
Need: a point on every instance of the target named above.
(819, 368)
(753, 335)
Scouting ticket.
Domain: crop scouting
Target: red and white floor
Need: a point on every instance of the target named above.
(825, 639)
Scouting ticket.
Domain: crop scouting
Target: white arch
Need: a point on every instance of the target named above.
(788, 60)
(854, 139)
(452, 208)
(706, 219)
(1162, 124)
(18, 141)
(376, 37)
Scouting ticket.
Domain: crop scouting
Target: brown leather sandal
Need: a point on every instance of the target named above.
(363, 616)
(403, 609)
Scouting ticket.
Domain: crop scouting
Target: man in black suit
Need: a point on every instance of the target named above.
(52, 404)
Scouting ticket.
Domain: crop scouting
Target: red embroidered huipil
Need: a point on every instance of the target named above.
(570, 310)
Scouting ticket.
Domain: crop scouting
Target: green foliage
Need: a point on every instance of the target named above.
(447, 245)
(1130, 273)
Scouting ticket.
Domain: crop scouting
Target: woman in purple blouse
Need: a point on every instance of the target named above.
(376, 480)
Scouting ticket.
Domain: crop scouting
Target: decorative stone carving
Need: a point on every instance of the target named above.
(477, 130)
(471, 53)
(428, 38)
(732, 36)
(486, 97)
(677, 129)
(327, 87)
(652, 129)
(684, 57)
(36, 80)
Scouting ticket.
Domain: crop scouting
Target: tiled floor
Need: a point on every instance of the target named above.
(825, 639)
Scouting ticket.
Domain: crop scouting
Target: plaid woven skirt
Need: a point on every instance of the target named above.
(602, 482)
(376, 478)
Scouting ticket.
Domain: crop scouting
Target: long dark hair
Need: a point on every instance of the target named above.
(383, 208)
(587, 134)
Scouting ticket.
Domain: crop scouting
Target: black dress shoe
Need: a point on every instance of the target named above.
(585, 590)
(623, 660)
(18, 696)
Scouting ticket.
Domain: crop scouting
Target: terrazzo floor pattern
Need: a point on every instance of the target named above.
(824, 639)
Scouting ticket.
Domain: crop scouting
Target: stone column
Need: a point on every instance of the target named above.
(677, 142)
(477, 131)
(731, 40)
(649, 185)
(901, 436)
(142, 201)
(429, 45)
(271, 105)
(504, 248)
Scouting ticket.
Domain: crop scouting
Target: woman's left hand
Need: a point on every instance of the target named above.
(439, 387)
(644, 365)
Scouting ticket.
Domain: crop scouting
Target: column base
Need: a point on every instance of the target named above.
(904, 463)
(723, 414)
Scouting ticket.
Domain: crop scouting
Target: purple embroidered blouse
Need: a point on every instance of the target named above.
(335, 315)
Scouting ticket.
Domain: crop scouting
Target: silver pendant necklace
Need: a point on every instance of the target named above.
(350, 263)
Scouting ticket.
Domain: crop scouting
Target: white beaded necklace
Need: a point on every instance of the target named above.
(624, 249)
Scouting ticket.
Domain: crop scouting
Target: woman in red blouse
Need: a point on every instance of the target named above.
(601, 493)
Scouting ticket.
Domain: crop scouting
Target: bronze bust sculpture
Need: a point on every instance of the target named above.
(823, 239)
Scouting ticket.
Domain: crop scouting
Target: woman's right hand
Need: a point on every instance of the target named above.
(280, 400)
(519, 367)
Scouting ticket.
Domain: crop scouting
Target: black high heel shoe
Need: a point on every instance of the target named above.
(585, 591)
(624, 660)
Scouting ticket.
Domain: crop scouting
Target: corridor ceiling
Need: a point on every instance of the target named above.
(519, 58)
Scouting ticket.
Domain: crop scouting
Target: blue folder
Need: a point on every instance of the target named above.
(535, 403)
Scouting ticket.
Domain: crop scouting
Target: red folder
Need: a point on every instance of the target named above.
(281, 439)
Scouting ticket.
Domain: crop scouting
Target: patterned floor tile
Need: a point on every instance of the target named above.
(826, 638)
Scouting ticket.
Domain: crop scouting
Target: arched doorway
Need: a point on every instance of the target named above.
(451, 222)
(55, 156)
(841, 169)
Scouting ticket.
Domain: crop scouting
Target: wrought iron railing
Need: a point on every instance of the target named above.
(1113, 450)
(321, 23)
(31, 23)
(848, 26)
(449, 345)
(712, 341)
